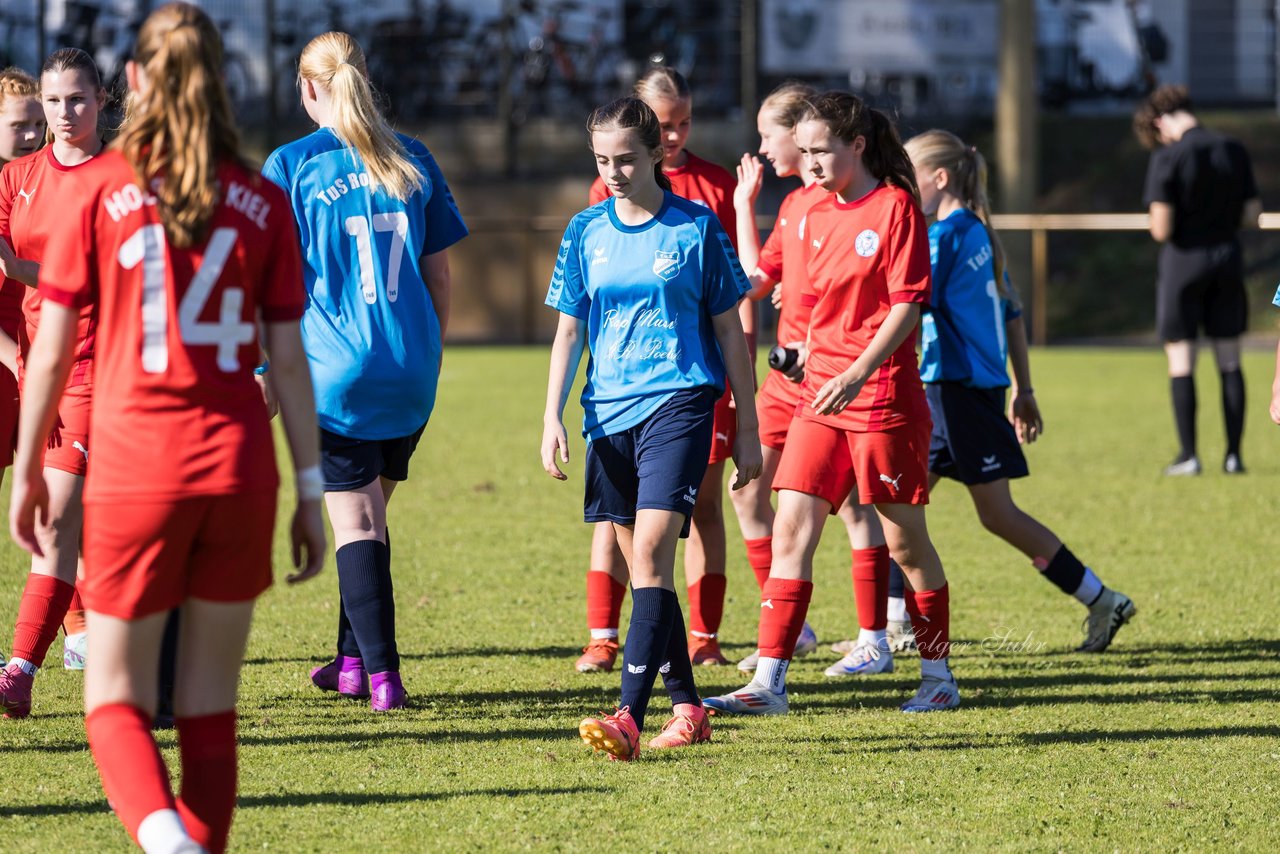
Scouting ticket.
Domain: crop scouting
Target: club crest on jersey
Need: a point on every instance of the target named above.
(666, 264)
(866, 243)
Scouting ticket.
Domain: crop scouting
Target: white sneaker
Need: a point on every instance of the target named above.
(752, 699)
(73, 651)
(1111, 610)
(901, 635)
(935, 695)
(864, 659)
(748, 664)
(807, 642)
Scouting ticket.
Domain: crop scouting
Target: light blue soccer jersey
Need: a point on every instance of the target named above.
(370, 329)
(648, 294)
(962, 333)
(1276, 299)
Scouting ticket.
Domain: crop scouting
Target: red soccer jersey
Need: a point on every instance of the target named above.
(782, 258)
(36, 192)
(176, 411)
(698, 181)
(862, 258)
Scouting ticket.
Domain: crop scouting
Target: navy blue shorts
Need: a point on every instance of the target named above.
(348, 464)
(656, 465)
(973, 442)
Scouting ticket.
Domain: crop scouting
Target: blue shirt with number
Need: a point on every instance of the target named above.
(647, 293)
(370, 329)
(962, 332)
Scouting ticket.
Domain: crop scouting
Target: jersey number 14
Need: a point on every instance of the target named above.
(228, 333)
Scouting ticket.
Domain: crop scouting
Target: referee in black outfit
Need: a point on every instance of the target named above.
(1200, 192)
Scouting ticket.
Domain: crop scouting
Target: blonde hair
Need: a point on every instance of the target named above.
(335, 61)
(788, 102)
(966, 170)
(181, 126)
(662, 83)
(16, 83)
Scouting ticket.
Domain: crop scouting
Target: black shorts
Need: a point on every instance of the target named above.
(973, 442)
(349, 464)
(1201, 288)
(656, 465)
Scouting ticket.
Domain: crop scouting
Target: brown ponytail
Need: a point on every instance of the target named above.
(181, 126)
(966, 170)
(631, 113)
(849, 117)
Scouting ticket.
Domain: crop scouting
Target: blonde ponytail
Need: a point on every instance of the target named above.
(335, 61)
(181, 126)
(967, 174)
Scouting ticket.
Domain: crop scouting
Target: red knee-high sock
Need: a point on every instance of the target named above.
(74, 623)
(208, 747)
(783, 606)
(760, 556)
(604, 600)
(44, 604)
(706, 605)
(930, 612)
(871, 586)
(133, 773)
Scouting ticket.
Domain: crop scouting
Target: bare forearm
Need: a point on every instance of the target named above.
(897, 325)
(439, 282)
(1019, 358)
(290, 377)
(566, 355)
(737, 364)
(48, 366)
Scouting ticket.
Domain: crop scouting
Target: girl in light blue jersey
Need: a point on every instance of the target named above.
(972, 328)
(651, 284)
(375, 217)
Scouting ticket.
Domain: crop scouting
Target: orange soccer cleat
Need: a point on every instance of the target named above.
(615, 734)
(598, 656)
(689, 725)
(705, 651)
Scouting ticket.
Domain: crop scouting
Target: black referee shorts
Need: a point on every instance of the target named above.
(1201, 288)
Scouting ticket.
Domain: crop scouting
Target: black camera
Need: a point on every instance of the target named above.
(783, 358)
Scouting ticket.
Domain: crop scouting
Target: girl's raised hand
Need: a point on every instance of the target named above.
(1024, 414)
(554, 439)
(750, 180)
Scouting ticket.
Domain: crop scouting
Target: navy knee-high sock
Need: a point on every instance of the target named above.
(347, 644)
(676, 670)
(653, 610)
(364, 579)
(897, 581)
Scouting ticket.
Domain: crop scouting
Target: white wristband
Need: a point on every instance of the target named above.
(310, 484)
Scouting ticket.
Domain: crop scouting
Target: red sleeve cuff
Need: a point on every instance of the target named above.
(283, 313)
(921, 297)
(770, 270)
(70, 299)
(808, 300)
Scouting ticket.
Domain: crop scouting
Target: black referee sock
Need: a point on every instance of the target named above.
(346, 637)
(1233, 408)
(677, 670)
(1065, 570)
(653, 610)
(364, 579)
(1183, 390)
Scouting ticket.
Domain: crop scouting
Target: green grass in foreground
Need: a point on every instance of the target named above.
(1169, 741)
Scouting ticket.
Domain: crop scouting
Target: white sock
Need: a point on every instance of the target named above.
(772, 674)
(873, 637)
(25, 666)
(1090, 588)
(603, 634)
(898, 609)
(162, 832)
(934, 668)
(703, 635)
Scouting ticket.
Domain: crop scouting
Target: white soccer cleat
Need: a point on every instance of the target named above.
(1111, 610)
(748, 664)
(752, 699)
(73, 651)
(864, 659)
(935, 695)
(807, 642)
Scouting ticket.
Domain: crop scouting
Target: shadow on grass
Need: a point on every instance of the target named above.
(302, 799)
(566, 652)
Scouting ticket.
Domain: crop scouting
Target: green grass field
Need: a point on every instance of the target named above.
(1170, 741)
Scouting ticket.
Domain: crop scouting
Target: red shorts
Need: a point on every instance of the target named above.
(775, 407)
(891, 467)
(144, 557)
(68, 446)
(725, 430)
(8, 417)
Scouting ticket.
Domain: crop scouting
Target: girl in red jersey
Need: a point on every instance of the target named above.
(864, 423)
(667, 93)
(35, 191)
(186, 251)
(781, 262)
